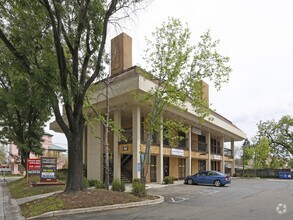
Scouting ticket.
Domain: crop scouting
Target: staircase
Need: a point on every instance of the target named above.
(125, 177)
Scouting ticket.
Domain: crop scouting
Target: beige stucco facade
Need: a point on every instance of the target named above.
(204, 144)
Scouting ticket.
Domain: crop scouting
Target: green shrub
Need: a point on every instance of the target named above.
(136, 180)
(252, 175)
(118, 185)
(168, 180)
(92, 182)
(85, 182)
(100, 185)
(62, 174)
(236, 175)
(138, 189)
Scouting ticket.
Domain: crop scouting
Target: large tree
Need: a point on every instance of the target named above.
(280, 135)
(60, 44)
(246, 153)
(178, 67)
(24, 108)
(261, 153)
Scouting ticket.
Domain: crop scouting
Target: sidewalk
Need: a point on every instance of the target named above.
(9, 209)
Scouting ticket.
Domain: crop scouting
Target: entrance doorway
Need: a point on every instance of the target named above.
(201, 165)
(216, 165)
(166, 166)
(153, 169)
(181, 168)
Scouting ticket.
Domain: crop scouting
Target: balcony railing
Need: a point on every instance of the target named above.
(216, 150)
(198, 146)
(228, 152)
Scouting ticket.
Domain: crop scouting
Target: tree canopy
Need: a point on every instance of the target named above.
(60, 45)
(280, 135)
(177, 66)
(24, 108)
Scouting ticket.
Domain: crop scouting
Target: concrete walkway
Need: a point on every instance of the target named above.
(9, 209)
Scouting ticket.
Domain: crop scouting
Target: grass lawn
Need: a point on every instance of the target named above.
(20, 188)
(60, 201)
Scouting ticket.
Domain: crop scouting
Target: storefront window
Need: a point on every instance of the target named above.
(181, 168)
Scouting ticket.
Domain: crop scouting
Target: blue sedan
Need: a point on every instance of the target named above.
(208, 178)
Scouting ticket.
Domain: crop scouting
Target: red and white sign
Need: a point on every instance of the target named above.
(33, 166)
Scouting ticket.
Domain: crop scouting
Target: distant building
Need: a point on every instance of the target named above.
(50, 150)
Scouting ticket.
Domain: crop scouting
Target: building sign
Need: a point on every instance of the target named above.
(48, 169)
(33, 166)
(138, 167)
(217, 157)
(177, 152)
(195, 130)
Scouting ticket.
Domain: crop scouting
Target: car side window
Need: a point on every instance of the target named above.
(203, 174)
(212, 173)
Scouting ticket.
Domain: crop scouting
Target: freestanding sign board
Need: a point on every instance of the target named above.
(33, 166)
(48, 169)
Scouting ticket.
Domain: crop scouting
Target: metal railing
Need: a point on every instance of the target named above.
(198, 146)
(228, 152)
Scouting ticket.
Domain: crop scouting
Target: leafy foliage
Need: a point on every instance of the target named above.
(100, 185)
(177, 68)
(138, 189)
(168, 180)
(2, 154)
(118, 185)
(24, 107)
(246, 152)
(261, 153)
(60, 46)
(280, 135)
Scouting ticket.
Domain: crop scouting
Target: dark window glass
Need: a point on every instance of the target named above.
(181, 168)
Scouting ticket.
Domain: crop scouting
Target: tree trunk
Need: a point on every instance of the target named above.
(147, 156)
(75, 162)
(106, 143)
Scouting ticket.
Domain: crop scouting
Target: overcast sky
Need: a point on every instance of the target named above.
(258, 38)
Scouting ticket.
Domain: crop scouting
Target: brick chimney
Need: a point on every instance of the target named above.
(121, 53)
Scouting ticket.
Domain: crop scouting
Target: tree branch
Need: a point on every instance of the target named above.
(109, 12)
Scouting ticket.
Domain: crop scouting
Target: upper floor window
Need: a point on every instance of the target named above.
(202, 143)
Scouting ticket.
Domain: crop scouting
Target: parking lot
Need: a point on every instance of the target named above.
(243, 199)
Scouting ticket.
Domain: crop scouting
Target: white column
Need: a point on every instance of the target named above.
(95, 152)
(208, 141)
(136, 141)
(160, 167)
(223, 156)
(233, 155)
(117, 156)
(188, 162)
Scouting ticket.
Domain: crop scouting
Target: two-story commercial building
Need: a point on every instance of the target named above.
(209, 145)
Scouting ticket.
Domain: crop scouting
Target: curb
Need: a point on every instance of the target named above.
(99, 208)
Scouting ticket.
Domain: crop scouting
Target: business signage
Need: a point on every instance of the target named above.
(217, 157)
(195, 130)
(177, 152)
(33, 165)
(48, 169)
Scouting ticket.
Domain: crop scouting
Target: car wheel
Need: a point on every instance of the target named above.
(217, 183)
(189, 181)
